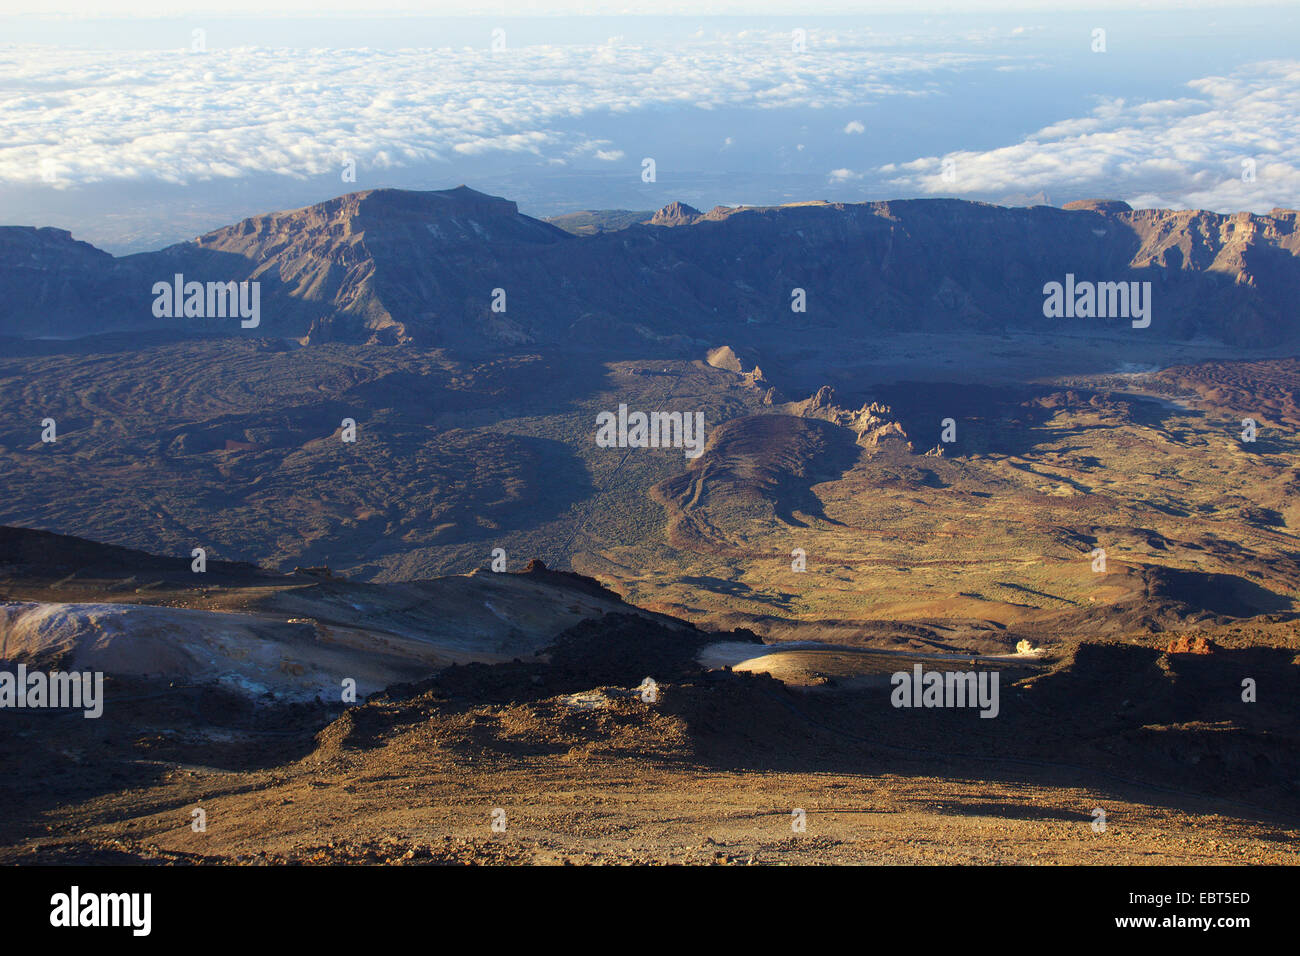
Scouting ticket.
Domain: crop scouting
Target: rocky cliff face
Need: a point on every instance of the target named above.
(385, 265)
(395, 266)
(675, 214)
(53, 285)
(873, 423)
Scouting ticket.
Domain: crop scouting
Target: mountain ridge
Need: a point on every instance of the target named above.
(460, 268)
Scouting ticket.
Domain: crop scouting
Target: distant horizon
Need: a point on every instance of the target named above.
(702, 209)
(406, 9)
(134, 133)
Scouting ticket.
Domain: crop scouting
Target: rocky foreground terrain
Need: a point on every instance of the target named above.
(437, 621)
(561, 753)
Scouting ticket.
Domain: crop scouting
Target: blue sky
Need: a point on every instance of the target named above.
(137, 131)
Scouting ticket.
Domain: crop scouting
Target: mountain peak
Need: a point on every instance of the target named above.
(438, 202)
(675, 214)
(1099, 205)
(353, 211)
(461, 214)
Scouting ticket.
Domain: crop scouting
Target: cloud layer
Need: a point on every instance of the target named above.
(72, 117)
(1233, 143)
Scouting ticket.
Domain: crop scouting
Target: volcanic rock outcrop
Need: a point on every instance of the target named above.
(460, 268)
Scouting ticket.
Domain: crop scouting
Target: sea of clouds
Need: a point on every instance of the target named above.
(71, 117)
(80, 116)
(1184, 152)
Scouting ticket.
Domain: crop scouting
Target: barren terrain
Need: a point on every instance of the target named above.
(474, 634)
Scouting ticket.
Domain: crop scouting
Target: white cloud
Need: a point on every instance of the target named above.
(181, 117)
(854, 126)
(1184, 153)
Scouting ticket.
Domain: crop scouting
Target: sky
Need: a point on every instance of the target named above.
(568, 8)
(148, 123)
